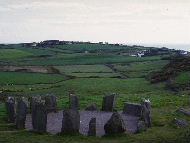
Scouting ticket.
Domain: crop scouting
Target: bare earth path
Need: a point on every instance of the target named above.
(54, 122)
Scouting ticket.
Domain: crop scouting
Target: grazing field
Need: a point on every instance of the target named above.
(83, 68)
(140, 74)
(12, 54)
(142, 66)
(91, 71)
(29, 78)
(95, 75)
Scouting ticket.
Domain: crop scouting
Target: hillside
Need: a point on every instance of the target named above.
(91, 71)
(175, 66)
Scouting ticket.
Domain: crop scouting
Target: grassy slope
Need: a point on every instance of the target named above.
(141, 66)
(183, 78)
(164, 103)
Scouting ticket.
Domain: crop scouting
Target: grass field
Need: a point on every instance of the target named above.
(101, 71)
(139, 74)
(183, 78)
(29, 78)
(95, 74)
(143, 66)
(83, 68)
(11, 54)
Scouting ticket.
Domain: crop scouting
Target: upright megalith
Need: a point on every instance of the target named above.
(50, 103)
(21, 113)
(70, 122)
(92, 127)
(10, 109)
(132, 109)
(39, 117)
(73, 102)
(33, 101)
(108, 102)
(146, 108)
(115, 125)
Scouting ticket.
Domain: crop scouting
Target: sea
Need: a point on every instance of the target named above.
(185, 47)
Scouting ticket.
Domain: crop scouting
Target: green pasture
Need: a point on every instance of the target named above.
(89, 76)
(104, 75)
(83, 68)
(139, 74)
(29, 78)
(182, 78)
(11, 54)
(142, 66)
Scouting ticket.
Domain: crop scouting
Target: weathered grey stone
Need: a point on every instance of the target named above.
(146, 108)
(132, 109)
(108, 103)
(33, 101)
(179, 122)
(141, 126)
(115, 125)
(73, 102)
(10, 109)
(21, 113)
(70, 122)
(92, 127)
(91, 107)
(50, 103)
(39, 117)
(184, 111)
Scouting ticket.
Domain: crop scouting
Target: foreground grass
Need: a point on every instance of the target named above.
(163, 112)
(157, 136)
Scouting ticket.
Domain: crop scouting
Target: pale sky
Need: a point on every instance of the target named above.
(123, 21)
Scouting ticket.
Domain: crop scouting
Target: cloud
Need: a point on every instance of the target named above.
(130, 20)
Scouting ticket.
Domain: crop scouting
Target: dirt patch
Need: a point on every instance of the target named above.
(35, 69)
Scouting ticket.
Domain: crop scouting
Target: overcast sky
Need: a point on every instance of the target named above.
(123, 21)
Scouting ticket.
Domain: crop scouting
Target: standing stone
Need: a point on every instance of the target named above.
(132, 109)
(39, 117)
(92, 127)
(115, 125)
(50, 103)
(146, 107)
(10, 109)
(70, 122)
(91, 107)
(33, 101)
(73, 102)
(21, 113)
(108, 102)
